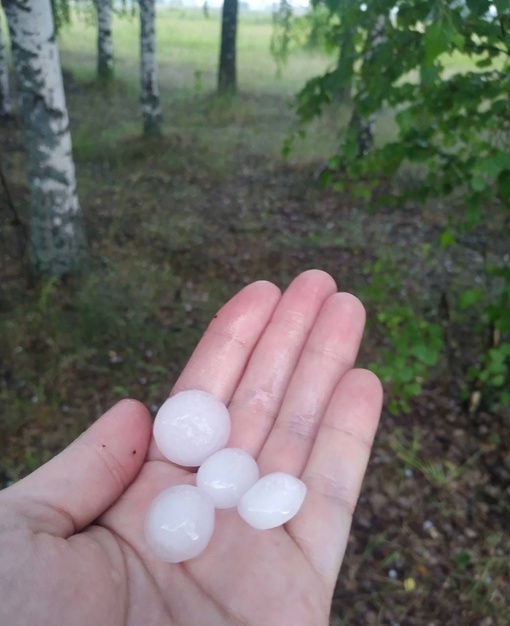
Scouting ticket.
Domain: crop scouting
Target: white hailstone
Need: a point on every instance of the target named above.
(272, 501)
(180, 523)
(190, 426)
(227, 475)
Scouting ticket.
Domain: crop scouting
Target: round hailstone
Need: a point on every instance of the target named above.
(190, 426)
(272, 501)
(180, 523)
(227, 475)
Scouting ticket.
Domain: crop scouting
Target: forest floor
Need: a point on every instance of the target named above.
(176, 227)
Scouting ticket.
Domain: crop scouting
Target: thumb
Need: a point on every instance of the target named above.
(74, 488)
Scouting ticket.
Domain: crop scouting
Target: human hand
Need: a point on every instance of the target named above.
(72, 546)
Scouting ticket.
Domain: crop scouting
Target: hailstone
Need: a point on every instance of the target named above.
(191, 426)
(272, 501)
(180, 523)
(227, 475)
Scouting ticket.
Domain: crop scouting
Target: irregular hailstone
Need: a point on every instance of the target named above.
(272, 501)
(190, 426)
(227, 475)
(180, 523)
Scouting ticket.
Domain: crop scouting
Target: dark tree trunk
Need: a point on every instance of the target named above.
(365, 133)
(364, 126)
(5, 99)
(227, 76)
(347, 51)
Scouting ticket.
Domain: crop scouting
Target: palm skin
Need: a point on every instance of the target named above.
(71, 534)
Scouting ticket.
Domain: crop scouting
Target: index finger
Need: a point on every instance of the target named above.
(219, 360)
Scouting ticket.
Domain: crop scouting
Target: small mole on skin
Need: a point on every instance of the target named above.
(215, 316)
(134, 452)
(103, 445)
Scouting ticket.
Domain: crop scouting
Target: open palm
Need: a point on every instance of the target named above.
(72, 548)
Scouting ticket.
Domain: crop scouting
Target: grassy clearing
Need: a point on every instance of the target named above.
(176, 227)
(188, 52)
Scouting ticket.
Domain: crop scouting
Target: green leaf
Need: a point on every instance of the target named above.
(478, 183)
(463, 560)
(470, 297)
(446, 239)
(494, 439)
(503, 185)
(412, 389)
(478, 7)
(499, 380)
(495, 164)
(425, 354)
(436, 40)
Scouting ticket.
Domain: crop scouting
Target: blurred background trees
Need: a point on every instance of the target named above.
(5, 96)
(452, 129)
(104, 39)
(149, 97)
(227, 72)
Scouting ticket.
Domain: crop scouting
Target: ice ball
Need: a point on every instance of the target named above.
(272, 501)
(227, 475)
(190, 426)
(180, 523)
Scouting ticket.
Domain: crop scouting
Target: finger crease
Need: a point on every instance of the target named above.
(302, 426)
(352, 434)
(337, 356)
(243, 343)
(113, 465)
(331, 490)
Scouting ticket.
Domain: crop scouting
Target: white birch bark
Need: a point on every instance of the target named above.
(149, 98)
(5, 98)
(104, 39)
(57, 231)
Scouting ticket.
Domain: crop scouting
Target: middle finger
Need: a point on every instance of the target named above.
(258, 398)
(329, 353)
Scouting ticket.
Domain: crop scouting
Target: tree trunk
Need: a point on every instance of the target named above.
(227, 77)
(364, 126)
(347, 50)
(151, 109)
(5, 98)
(104, 40)
(57, 230)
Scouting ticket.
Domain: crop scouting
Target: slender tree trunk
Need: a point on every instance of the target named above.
(104, 39)
(227, 76)
(151, 108)
(5, 98)
(57, 230)
(347, 50)
(364, 126)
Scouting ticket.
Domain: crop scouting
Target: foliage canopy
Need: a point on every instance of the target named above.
(443, 69)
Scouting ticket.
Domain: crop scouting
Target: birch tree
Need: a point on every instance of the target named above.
(346, 54)
(57, 230)
(151, 108)
(104, 39)
(363, 127)
(5, 99)
(227, 74)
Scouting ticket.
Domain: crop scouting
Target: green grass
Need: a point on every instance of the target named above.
(188, 51)
(188, 43)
